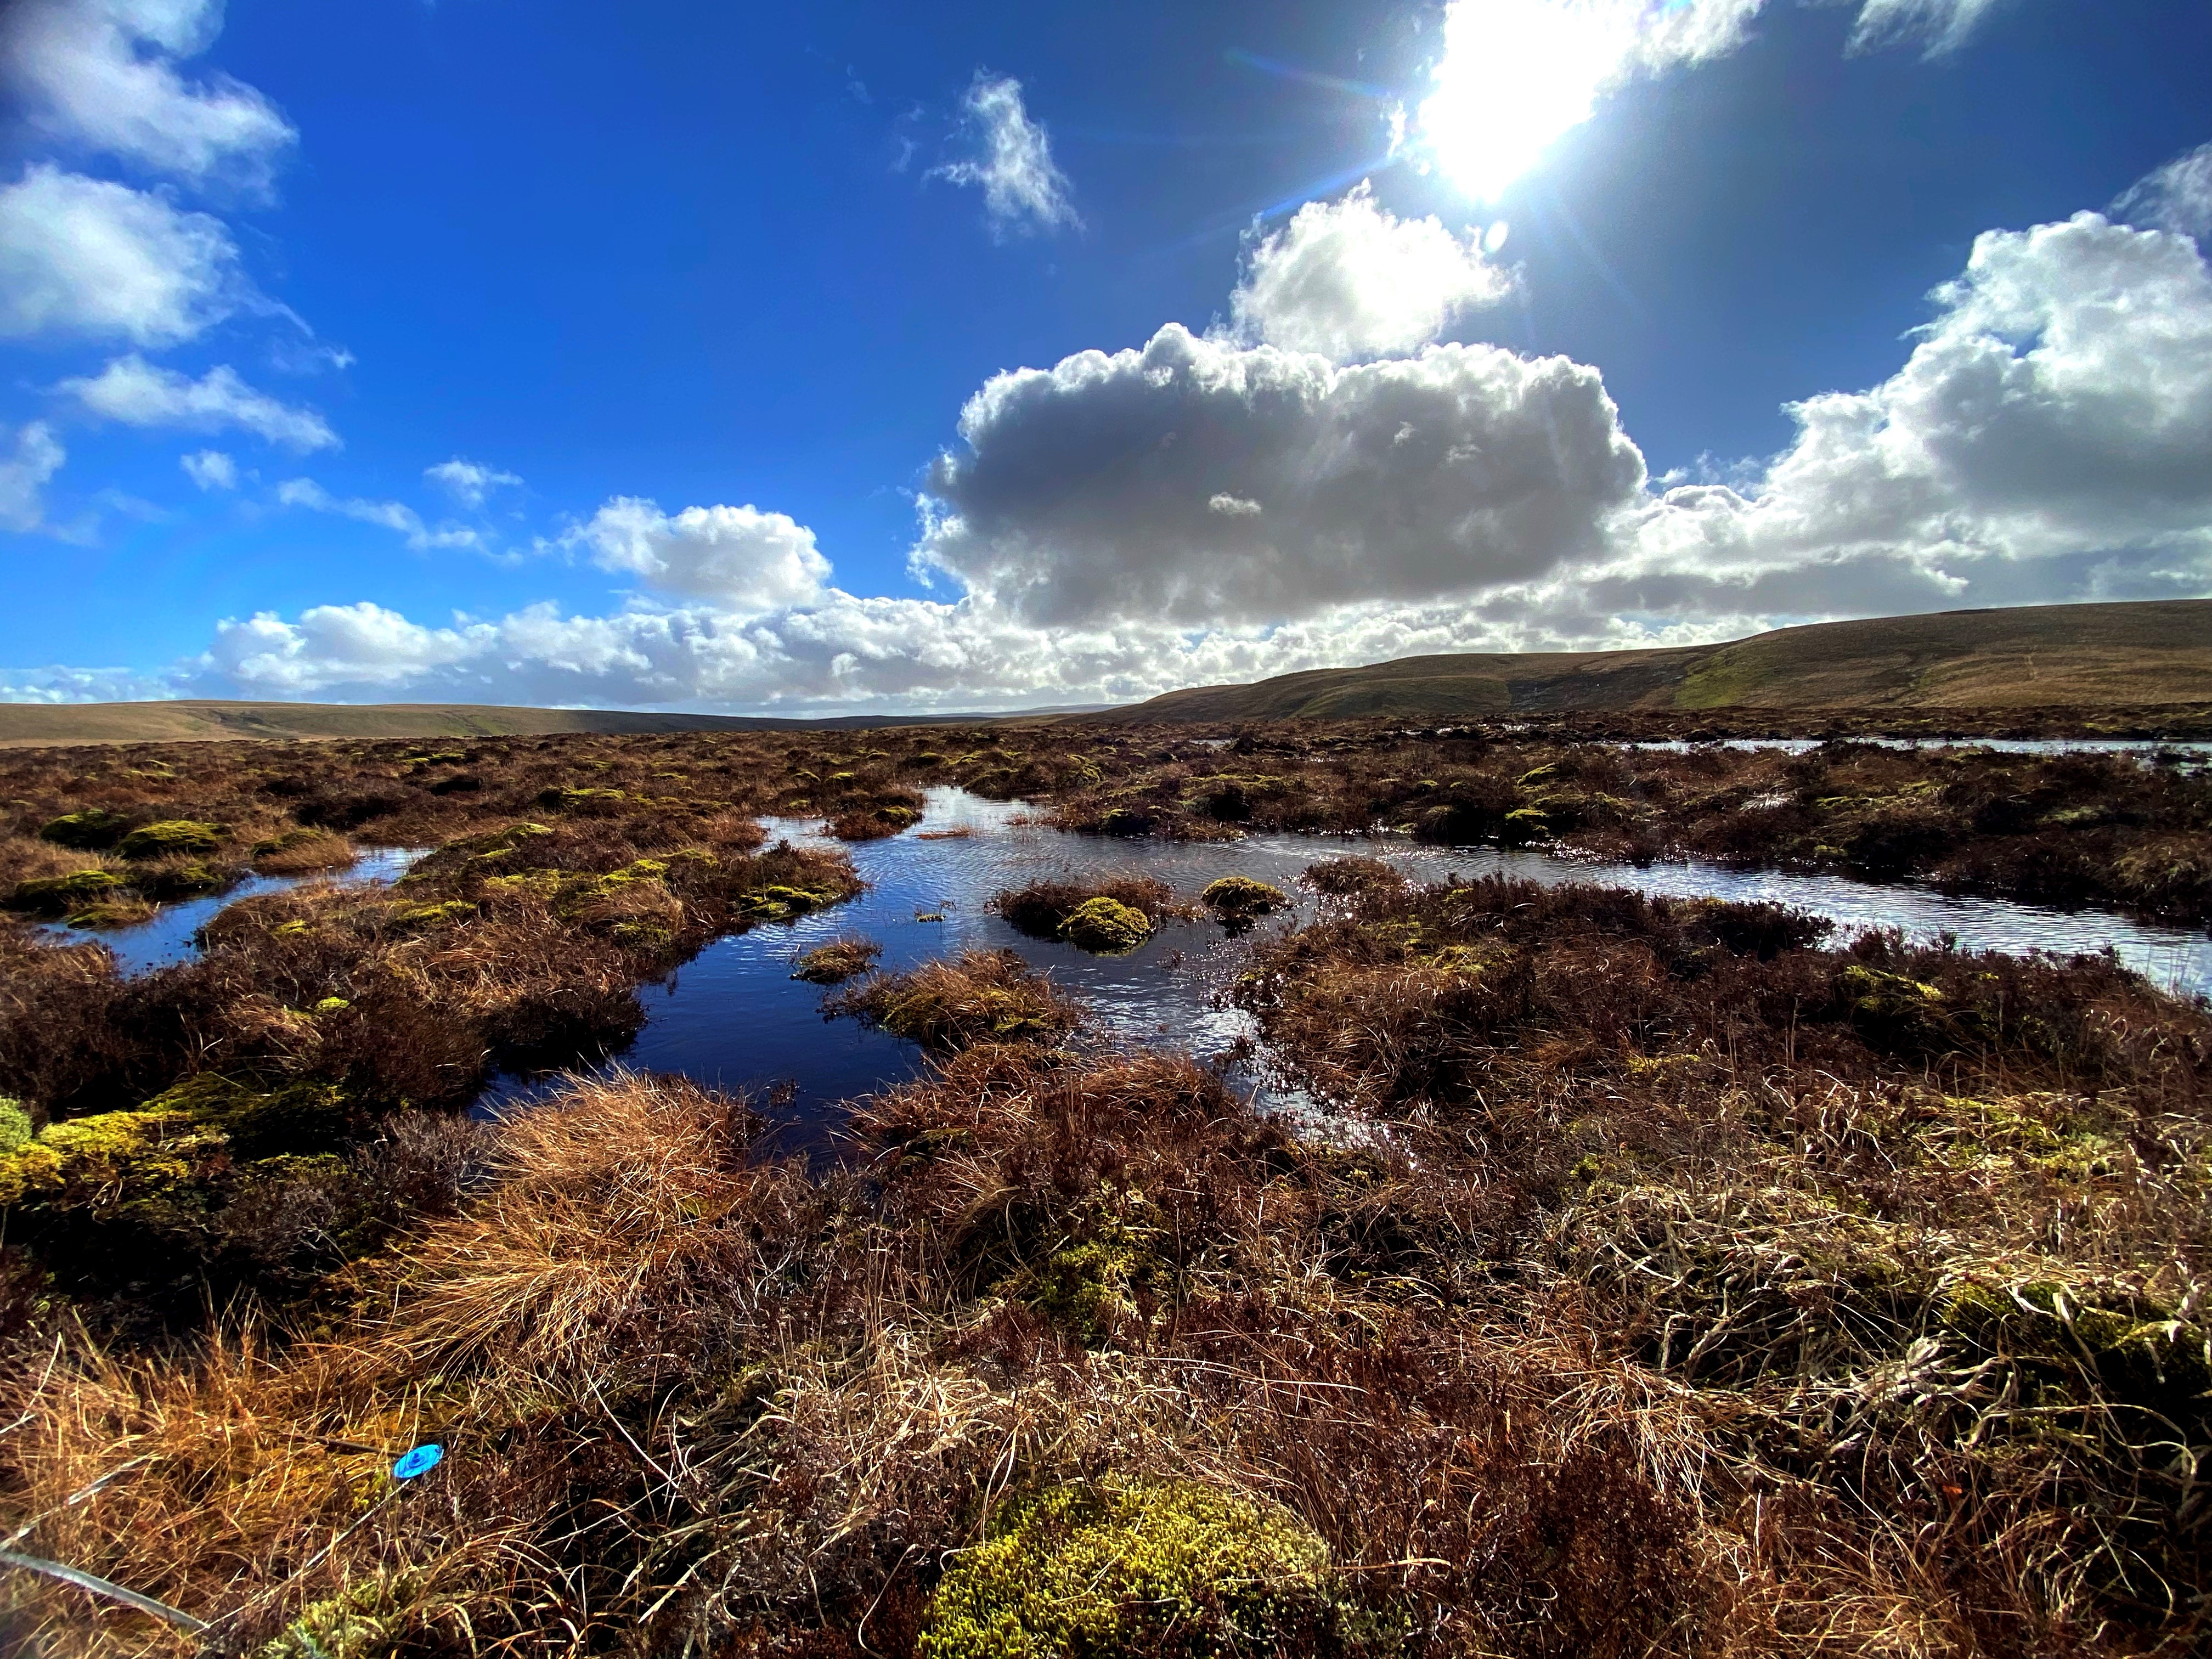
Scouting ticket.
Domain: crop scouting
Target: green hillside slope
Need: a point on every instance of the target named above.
(2071, 655)
(25, 725)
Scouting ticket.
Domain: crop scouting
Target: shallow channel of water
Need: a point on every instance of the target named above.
(170, 935)
(734, 1018)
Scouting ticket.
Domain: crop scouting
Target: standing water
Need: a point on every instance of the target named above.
(734, 1018)
(171, 935)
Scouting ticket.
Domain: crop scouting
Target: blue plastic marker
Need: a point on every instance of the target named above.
(421, 1461)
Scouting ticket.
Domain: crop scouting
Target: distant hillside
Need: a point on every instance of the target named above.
(2073, 655)
(27, 725)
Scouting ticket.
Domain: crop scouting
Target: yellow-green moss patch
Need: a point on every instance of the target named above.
(1133, 1566)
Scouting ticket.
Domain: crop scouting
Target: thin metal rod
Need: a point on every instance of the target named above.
(99, 1586)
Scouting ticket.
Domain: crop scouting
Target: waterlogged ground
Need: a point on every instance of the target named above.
(171, 935)
(734, 1018)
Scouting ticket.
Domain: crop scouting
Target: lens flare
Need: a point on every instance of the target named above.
(1516, 74)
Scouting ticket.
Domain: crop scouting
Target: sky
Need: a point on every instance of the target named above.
(839, 358)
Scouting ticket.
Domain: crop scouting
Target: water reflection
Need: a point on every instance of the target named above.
(170, 935)
(734, 1018)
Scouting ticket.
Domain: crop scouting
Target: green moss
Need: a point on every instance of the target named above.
(367, 1620)
(1106, 926)
(838, 961)
(111, 913)
(2068, 1336)
(1129, 1566)
(54, 895)
(1086, 1289)
(299, 1117)
(89, 831)
(14, 1125)
(1236, 898)
(183, 881)
(427, 918)
(111, 1159)
(568, 800)
(291, 840)
(1522, 825)
(779, 902)
(170, 837)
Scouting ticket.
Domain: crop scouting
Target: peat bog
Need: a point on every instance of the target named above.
(1642, 1272)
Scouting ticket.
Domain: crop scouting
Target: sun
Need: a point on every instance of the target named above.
(1514, 75)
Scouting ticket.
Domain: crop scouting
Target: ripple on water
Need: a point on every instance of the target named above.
(733, 1017)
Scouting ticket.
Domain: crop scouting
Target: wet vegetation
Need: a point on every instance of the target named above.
(1656, 1276)
(1106, 917)
(838, 961)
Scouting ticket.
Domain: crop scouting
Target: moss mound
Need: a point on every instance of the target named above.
(169, 838)
(56, 895)
(983, 997)
(1106, 926)
(1240, 898)
(111, 913)
(838, 961)
(171, 1143)
(1135, 1566)
(93, 828)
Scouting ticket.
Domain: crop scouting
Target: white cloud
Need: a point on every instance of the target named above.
(37, 456)
(362, 645)
(1023, 190)
(1085, 491)
(391, 515)
(211, 469)
(2047, 439)
(58, 684)
(102, 75)
(469, 483)
(742, 559)
(135, 393)
(1350, 280)
(86, 257)
(2043, 442)
(2176, 196)
(1943, 25)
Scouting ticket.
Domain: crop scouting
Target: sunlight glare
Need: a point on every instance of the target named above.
(1516, 74)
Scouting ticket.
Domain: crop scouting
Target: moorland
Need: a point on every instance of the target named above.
(1665, 1276)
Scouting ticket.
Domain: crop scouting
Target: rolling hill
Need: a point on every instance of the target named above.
(2085, 656)
(30, 724)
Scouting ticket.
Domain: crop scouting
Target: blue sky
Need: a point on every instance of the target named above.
(734, 357)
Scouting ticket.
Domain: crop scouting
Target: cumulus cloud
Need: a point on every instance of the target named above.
(1023, 189)
(103, 76)
(1203, 511)
(135, 393)
(211, 469)
(86, 257)
(363, 645)
(1348, 279)
(391, 515)
(1085, 491)
(469, 483)
(2046, 439)
(739, 557)
(35, 458)
(2177, 196)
